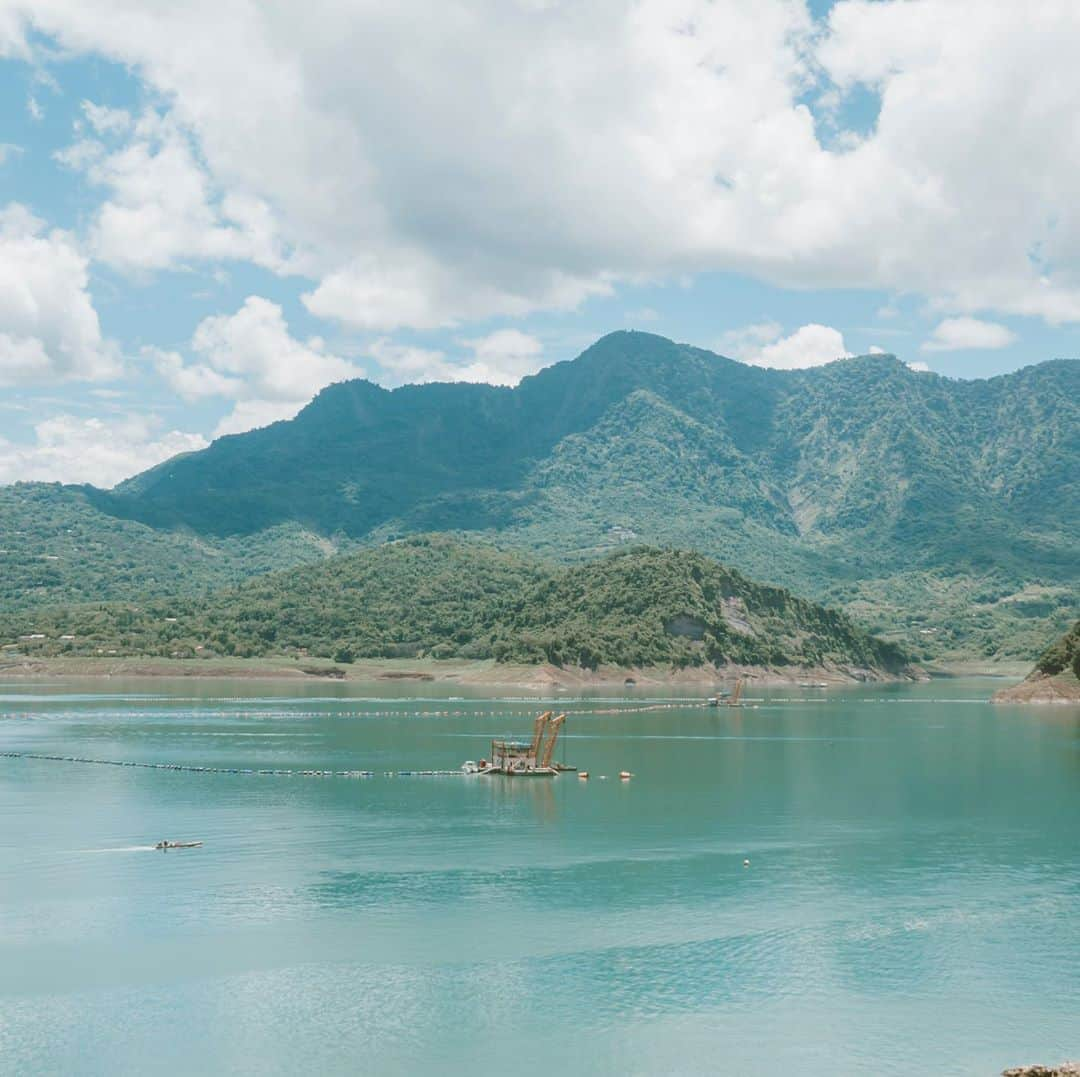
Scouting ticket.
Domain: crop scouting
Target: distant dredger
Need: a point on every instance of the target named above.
(525, 759)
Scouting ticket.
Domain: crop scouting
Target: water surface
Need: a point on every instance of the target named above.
(912, 902)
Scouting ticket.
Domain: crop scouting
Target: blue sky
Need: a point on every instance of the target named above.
(196, 240)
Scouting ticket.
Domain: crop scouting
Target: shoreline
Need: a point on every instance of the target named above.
(1062, 689)
(443, 671)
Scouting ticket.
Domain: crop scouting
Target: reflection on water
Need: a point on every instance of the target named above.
(909, 904)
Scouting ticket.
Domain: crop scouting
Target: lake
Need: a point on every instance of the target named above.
(911, 903)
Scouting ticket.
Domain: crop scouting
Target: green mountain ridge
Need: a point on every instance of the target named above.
(435, 597)
(942, 513)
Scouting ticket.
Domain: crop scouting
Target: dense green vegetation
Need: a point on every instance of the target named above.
(56, 547)
(1062, 655)
(941, 513)
(439, 598)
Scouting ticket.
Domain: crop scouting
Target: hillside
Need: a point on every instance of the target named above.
(56, 547)
(434, 597)
(1056, 676)
(942, 513)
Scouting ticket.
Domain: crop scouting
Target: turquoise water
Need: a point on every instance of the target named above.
(912, 903)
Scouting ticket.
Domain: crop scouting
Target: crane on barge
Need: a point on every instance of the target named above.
(521, 759)
(734, 699)
(554, 726)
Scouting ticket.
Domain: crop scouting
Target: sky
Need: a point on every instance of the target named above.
(210, 209)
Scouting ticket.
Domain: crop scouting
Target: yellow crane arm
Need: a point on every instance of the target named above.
(538, 732)
(553, 736)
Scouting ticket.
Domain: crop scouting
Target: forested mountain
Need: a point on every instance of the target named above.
(57, 547)
(944, 512)
(435, 597)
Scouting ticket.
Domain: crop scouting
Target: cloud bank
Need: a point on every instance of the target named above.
(528, 155)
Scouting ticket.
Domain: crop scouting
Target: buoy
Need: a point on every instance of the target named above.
(583, 774)
(746, 863)
(624, 775)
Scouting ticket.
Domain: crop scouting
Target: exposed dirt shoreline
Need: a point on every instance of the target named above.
(1042, 688)
(452, 671)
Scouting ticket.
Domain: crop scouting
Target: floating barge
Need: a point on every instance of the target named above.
(525, 759)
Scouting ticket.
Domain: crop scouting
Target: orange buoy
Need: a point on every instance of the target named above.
(583, 774)
(625, 775)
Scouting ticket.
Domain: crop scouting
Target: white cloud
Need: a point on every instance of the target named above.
(49, 330)
(409, 288)
(67, 448)
(919, 367)
(503, 357)
(811, 345)
(9, 150)
(956, 334)
(192, 381)
(250, 414)
(12, 36)
(403, 364)
(748, 340)
(252, 358)
(876, 349)
(529, 155)
(255, 345)
(162, 207)
(105, 120)
(763, 344)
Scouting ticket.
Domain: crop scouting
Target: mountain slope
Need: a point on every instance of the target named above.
(863, 448)
(942, 512)
(57, 547)
(439, 598)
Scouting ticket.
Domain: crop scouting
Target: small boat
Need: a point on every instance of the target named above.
(178, 845)
(470, 766)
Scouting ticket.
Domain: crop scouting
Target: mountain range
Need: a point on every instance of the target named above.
(942, 513)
